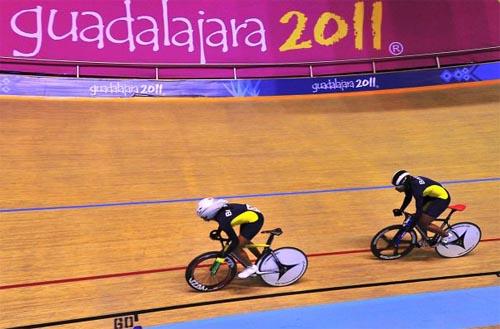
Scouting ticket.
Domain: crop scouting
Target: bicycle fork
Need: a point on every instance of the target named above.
(398, 237)
(408, 224)
(214, 268)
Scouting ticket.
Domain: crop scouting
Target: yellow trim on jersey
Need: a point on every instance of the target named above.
(245, 218)
(435, 191)
(256, 245)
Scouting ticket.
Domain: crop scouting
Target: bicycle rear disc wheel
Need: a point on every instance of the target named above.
(467, 236)
(199, 277)
(384, 246)
(293, 266)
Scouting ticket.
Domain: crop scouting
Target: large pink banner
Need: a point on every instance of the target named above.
(238, 31)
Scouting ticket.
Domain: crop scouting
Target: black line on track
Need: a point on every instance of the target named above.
(239, 299)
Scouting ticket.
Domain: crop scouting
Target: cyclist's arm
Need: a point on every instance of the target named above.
(233, 237)
(419, 205)
(406, 200)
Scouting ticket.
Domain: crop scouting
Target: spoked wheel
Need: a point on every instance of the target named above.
(202, 276)
(283, 266)
(385, 243)
(467, 237)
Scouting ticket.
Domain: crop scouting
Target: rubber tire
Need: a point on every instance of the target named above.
(270, 278)
(375, 251)
(468, 251)
(231, 262)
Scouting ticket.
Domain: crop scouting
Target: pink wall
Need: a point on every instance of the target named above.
(195, 33)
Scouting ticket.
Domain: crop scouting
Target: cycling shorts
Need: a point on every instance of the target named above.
(435, 207)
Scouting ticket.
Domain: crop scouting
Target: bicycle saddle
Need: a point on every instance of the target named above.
(458, 207)
(276, 231)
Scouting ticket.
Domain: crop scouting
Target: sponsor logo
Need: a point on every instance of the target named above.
(127, 321)
(458, 75)
(197, 285)
(116, 88)
(155, 32)
(344, 85)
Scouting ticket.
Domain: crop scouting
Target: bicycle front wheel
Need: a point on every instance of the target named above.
(393, 242)
(467, 237)
(283, 266)
(202, 277)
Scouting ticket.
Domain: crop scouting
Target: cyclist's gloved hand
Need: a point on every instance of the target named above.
(397, 212)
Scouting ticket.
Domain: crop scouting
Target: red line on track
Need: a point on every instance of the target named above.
(87, 278)
(336, 253)
(178, 268)
(489, 240)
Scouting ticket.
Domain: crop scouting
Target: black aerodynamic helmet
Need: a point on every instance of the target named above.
(400, 177)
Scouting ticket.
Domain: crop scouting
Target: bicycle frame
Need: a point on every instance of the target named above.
(280, 267)
(397, 240)
(409, 225)
(215, 235)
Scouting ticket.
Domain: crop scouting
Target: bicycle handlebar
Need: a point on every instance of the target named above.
(215, 235)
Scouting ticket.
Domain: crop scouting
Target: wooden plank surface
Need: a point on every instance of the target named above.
(96, 258)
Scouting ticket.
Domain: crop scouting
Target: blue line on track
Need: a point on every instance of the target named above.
(258, 195)
(455, 309)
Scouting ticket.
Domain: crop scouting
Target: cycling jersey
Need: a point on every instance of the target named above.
(248, 217)
(430, 196)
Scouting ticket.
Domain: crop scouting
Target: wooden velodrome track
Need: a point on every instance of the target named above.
(98, 197)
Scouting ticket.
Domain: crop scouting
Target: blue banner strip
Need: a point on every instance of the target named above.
(85, 87)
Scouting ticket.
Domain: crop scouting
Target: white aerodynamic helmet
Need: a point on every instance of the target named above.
(208, 207)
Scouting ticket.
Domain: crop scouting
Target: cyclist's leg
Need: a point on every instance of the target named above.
(248, 231)
(424, 220)
(432, 210)
(240, 253)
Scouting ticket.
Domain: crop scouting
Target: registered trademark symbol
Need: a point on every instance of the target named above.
(396, 48)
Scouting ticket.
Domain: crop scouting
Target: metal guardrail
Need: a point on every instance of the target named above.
(235, 66)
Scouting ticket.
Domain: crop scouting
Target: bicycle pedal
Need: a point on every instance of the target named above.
(422, 244)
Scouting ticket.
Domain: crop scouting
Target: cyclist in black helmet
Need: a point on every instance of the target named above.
(431, 200)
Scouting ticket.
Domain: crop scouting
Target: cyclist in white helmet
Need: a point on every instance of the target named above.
(228, 215)
(431, 200)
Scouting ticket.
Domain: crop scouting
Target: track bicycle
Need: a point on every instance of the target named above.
(278, 267)
(396, 241)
